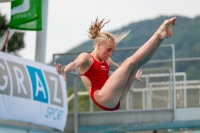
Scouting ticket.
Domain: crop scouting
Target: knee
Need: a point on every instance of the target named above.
(130, 62)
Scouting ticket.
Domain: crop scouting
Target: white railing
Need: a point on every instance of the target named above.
(181, 87)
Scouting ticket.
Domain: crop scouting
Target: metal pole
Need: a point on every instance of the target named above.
(143, 100)
(148, 93)
(185, 91)
(128, 100)
(174, 78)
(91, 105)
(75, 104)
(40, 50)
(171, 90)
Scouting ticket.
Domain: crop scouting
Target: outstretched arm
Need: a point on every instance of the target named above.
(63, 70)
(113, 66)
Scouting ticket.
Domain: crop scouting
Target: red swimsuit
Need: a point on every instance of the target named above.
(98, 75)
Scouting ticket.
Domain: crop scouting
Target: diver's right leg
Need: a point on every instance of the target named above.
(135, 70)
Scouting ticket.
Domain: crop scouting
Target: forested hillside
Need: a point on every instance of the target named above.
(186, 35)
(186, 38)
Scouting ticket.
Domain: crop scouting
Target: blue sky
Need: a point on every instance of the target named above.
(69, 20)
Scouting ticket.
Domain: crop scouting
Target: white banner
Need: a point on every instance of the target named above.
(32, 92)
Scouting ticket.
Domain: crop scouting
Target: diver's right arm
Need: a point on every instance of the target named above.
(63, 70)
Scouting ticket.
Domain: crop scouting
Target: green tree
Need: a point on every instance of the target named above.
(16, 42)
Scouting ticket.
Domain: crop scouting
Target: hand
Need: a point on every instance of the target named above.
(60, 70)
(165, 30)
(137, 76)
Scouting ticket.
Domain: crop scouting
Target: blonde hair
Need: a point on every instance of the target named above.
(98, 36)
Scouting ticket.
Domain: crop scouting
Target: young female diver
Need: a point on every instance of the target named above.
(109, 92)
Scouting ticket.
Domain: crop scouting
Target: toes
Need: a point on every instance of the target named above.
(166, 22)
(173, 20)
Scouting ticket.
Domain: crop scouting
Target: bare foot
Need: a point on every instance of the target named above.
(165, 30)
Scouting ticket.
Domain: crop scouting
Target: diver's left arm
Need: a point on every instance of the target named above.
(112, 65)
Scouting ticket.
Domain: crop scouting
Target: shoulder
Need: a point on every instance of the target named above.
(85, 60)
(84, 55)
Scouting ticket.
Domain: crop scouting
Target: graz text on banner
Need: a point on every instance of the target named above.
(32, 92)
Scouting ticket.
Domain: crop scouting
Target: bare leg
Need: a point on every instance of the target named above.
(128, 85)
(151, 53)
(134, 71)
(112, 90)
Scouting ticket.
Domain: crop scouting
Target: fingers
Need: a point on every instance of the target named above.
(139, 72)
(63, 68)
(65, 79)
(58, 66)
(141, 81)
